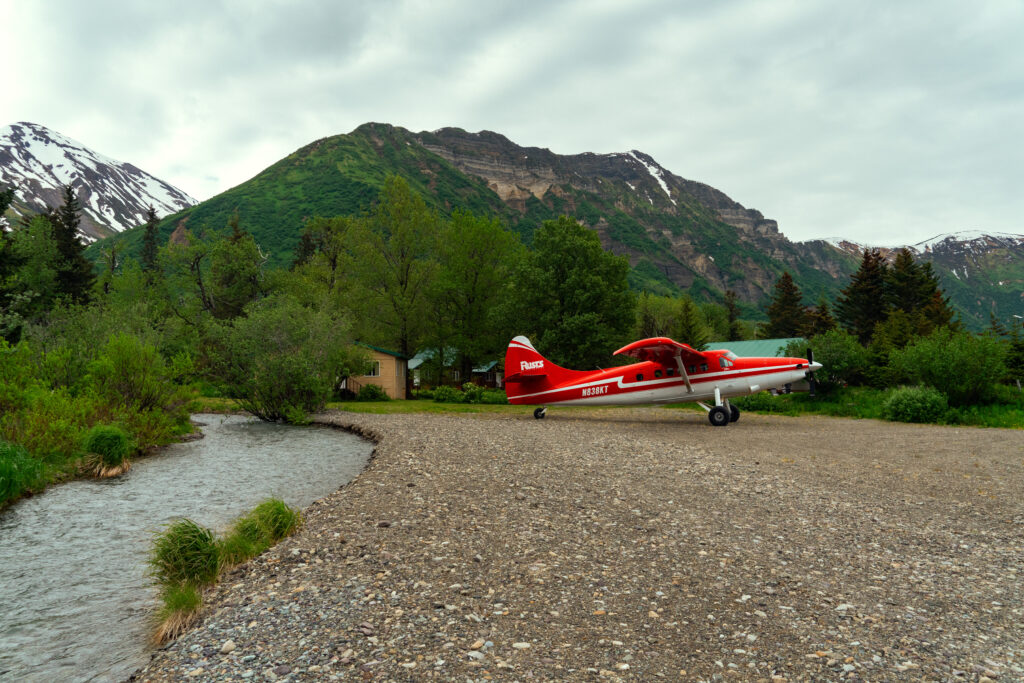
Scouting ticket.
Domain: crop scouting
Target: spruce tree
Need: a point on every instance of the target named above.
(861, 306)
(690, 327)
(149, 245)
(787, 316)
(732, 309)
(819, 319)
(74, 274)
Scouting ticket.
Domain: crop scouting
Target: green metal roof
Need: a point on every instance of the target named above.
(396, 354)
(756, 347)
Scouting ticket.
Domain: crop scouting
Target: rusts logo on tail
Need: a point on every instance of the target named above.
(530, 365)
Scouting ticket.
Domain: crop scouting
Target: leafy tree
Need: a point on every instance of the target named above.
(655, 315)
(786, 314)
(843, 359)
(690, 326)
(716, 318)
(476, 257)
(395, 268)
(31, 285)
(214, 275)
(149, 245)
(74, 272)
(961, 365)
(571, 296)
(861, 305)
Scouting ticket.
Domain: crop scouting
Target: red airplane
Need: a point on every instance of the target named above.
(667, 372)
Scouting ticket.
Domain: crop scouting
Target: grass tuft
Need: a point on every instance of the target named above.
(107, 448)
(185, 553)
(180, 609)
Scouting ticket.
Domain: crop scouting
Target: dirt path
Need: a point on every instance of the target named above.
(639, 543)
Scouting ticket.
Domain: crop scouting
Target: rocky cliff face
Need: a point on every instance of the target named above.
(38, 163)
(688, 231)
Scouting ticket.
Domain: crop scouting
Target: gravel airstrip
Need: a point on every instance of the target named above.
(634, 544)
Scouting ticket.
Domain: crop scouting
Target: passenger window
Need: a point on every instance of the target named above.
(703, 367)
(670, 372)
(639, 377)
(657, 373)
(693, 368)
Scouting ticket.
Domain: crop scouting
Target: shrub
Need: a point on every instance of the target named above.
(185, 553)
(447, 394)
(282, 360)
(19, 472)
(914, 404)
(964, 367)
(472, 393)
(372, 392)
(844, 361)
(494, 397)
(110, 443)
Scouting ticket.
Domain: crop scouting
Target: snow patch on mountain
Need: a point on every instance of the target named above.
(656, 172)
(38, 162)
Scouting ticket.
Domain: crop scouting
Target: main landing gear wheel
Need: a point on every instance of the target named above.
(734, 413)
(718, 416)
(539, 413)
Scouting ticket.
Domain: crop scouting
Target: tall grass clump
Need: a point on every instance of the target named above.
(19, 472)
(185, 553)
(268, 523)
(107, 448)
(181, 605)
(186, 557)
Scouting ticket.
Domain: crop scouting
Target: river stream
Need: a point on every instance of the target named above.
(75, 601)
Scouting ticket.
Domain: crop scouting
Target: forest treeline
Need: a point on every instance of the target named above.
(126, 343)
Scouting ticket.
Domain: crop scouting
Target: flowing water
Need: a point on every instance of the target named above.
(75, 602)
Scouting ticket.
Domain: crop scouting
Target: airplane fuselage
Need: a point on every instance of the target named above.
(651, 382)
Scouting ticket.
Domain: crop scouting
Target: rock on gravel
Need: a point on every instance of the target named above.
(638, 544)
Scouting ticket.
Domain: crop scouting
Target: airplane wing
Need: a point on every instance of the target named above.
(662, 350)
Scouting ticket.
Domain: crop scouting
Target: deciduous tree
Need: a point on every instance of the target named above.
(571, 296)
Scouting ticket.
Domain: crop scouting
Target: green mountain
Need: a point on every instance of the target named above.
(677, 234)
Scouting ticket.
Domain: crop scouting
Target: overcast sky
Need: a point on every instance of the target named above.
(885, 122)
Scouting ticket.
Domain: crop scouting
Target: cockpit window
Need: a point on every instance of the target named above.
(724, 362)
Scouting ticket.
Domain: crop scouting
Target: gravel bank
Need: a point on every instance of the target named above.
(634, 544)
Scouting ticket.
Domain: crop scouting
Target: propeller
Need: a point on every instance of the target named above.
(810, 373)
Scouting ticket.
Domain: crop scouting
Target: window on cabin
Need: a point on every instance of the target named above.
(639, 377)
(657, 373)
(670, 372)
(374, 369)
(693, 369)
(703, 367)
(724, 363)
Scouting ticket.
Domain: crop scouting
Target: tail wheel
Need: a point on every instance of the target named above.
(734, 413)
(718, 416)
(539, 413)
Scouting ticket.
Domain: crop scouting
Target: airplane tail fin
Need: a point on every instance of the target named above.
(528, 373)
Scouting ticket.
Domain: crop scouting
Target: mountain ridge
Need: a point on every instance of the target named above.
(38, 162)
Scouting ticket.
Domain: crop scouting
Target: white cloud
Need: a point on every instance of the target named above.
(865, 120)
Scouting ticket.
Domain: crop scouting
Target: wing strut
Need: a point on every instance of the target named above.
(682, 371)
